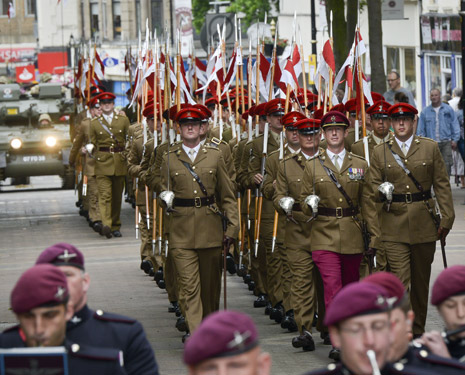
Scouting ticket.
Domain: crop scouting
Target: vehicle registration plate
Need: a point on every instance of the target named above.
(12, 111)
(34, 158)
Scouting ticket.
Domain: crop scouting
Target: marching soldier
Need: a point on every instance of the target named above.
(98, 328)
(402, 349)
(334, 194)
(412, 165)
(278, 273)
(137, 152)
(448, 296)
(381, 124)
(274, 110)
(40, 303)
(197, 177)
(108, 134)
(81, 140)
(297, 229)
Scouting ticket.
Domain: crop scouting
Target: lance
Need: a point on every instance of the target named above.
(302, 59)
(259, 189)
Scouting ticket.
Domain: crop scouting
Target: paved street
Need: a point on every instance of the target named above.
(36, 216)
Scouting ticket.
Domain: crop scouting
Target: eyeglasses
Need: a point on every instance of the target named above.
(392, 80)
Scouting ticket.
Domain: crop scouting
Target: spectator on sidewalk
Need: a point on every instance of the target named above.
(393, 80)
(438, 122)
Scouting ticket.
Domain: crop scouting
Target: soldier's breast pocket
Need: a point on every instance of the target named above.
(295, 185)
(179, 180)
(323, 185)
(423, 170)
(208, 177)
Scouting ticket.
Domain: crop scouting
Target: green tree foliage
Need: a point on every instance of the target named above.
(199, 10)
(253, 9)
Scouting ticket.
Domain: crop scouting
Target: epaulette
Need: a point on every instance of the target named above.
(356, 156)
(420, 138)
(214, 142)
(360, 140)
(249, 141)
(90, 352)
(424, 355)
(287, 157)
(209, 147)
(273, 152)
(109, 317)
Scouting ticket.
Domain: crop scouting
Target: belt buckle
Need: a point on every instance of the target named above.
(408, 198)
(111, 150)
(339, 213)
(197, 202)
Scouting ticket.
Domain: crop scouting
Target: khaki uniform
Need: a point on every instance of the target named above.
(136, 154)
(133, 132)
(82, 138)
(267, 218)
(196, 233)
(79, 160)
(408, 231)
(278, 273)
(349, 140)
(341, 235)
(227, 133)
(358, 148)
(110, 167)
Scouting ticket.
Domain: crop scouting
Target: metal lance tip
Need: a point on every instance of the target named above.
(386, 188)
(312, 201)
(374, 365)
(167, 197)
(90, 148)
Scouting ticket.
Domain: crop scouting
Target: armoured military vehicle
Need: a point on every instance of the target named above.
(28, 148)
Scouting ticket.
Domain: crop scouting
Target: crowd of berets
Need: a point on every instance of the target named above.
(318, 212)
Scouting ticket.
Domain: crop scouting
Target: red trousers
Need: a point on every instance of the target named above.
(337, 270)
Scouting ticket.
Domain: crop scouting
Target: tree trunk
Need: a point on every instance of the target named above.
(378, 77)
(352, 16)
(339, 30)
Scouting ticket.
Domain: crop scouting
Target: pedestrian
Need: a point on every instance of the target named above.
(108, 135)
(456, 98)
(438, 122)
(40, 302)
(448, 295)
(412, 165)
(226, 342)
(204, 201)
(337, 238)
(393, 80)
(461, 142)
(96, 327)
(401, 316)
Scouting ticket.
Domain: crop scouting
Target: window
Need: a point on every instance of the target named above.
(157, 15)
(402, 60)
(138, 16)
(31, 9)
(94, 27)
(116, 19)
(4, 5)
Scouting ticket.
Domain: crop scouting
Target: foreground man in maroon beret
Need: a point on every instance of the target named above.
(226, 342)
(449, 297)
(402, 349)
(40, 302)
(99, 328)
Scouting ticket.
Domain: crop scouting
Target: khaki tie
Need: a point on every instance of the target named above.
(404, 148)
(336, 162)
(192, 154)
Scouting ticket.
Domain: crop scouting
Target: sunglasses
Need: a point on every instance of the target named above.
(106, 101)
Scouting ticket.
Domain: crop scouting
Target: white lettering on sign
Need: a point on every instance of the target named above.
(16, 54)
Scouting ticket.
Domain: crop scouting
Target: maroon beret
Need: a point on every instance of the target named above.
(449, 283)
(40, 285)
(221, 334)
(391, 283)
(62, 254)
(334, 118)
(356, 299)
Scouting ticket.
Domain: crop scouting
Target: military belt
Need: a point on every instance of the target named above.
(111, 149)
(196, 202)
(296, 207)
(338, 212)
(411, 197)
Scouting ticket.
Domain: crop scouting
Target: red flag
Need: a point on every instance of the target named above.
(328, 55)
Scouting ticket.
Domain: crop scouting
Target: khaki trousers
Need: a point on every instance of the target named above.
(146, 235)
(92, 196)
(110, 191)
(381, 263)
(302, 288)
(412, 265)
(257, 264)
(199, 278)
(274, 266)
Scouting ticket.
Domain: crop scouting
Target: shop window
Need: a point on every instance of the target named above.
(31, 7)
(94, 20)
(157, 15)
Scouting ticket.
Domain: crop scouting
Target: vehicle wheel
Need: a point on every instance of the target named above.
(68, 178)
(25, 180)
